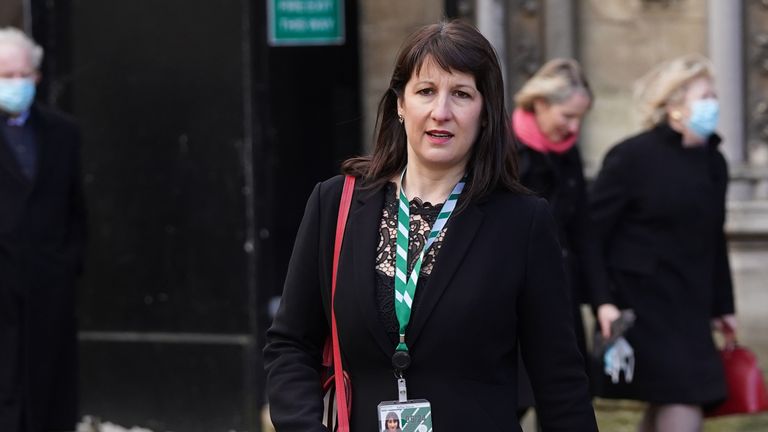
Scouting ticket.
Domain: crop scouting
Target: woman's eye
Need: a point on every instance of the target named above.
(426, 91)
(461, 94)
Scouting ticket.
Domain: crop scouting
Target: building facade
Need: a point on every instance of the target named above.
(202, 141)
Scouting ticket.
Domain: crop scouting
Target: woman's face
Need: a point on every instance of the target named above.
(559, 121)
(698, 89)
(442, 114)
(392, 424)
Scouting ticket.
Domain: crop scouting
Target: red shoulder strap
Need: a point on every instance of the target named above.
(341, 222)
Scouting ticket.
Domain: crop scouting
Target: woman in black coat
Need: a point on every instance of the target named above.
(546, 122)
(492, 278)
(658, 206)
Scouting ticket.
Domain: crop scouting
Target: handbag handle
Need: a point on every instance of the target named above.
(341, 222)
(729, 335)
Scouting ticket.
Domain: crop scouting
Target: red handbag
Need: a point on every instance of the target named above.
(746, 385)
(337, 387)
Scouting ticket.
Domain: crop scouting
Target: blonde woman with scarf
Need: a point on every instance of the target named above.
(546, 122)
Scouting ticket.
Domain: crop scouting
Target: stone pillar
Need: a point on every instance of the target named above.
(491, 21)
(560, 29)
(726, 53)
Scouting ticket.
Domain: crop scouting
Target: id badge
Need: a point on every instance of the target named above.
(409, 416)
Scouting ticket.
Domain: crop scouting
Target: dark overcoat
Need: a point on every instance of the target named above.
(498, 280)
(559, 178)
(658, 210)
(42, 237)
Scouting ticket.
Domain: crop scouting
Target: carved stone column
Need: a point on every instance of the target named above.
(525, 20)
(491, 21)
(725, 42)
(756, 48)
(725, 26)
(748, 214)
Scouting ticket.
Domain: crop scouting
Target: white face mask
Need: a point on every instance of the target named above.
(16, 94)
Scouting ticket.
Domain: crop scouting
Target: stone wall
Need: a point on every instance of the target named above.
(619, 41)
(748, 266)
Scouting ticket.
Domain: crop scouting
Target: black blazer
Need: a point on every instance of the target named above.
(42, 238)
(498, 278)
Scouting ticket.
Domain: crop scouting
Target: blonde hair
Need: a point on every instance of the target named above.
(554, 82)
(665, 85)
(14, 36)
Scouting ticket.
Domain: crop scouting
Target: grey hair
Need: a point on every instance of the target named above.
(665, 86)
(14, 36)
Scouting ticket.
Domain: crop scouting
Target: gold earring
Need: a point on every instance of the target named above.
(676, 115)
(400, 118)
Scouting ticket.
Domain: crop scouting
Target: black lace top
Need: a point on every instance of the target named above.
(422, 217)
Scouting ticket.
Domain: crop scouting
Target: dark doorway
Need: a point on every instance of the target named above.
(201, 145)
(316, 124)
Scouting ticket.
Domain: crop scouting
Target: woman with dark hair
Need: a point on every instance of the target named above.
(392, 422)
(447, 262)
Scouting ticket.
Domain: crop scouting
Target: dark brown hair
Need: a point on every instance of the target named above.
(454, 46)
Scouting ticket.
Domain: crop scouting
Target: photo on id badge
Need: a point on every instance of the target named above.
(410, 416)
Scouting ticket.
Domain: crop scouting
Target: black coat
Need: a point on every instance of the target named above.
(42, 237)
(559, 178)
(658, 210)
(498, 279)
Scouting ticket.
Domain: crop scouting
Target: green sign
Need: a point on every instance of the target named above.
(306, 22)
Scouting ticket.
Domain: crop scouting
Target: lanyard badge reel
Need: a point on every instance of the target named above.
(415, 414)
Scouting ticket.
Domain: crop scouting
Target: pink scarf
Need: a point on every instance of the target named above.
(525, 127)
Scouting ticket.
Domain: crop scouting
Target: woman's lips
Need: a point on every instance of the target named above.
(439, 136)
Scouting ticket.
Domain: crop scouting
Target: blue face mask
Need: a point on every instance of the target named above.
(16, 94)
(704, 116)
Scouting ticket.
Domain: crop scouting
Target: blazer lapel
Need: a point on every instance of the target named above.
(365, 217)
(461, 231)
(8, 160)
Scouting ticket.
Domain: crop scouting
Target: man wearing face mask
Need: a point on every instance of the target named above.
(658, 207)
(42, 237)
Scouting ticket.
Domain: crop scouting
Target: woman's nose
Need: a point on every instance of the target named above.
(573, 126)
(441, 108)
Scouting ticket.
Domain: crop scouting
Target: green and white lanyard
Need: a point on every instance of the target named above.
(405, 286)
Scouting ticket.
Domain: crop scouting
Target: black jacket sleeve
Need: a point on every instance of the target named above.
(608, 199)
(293, 352)
(723, 302)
